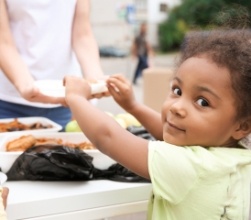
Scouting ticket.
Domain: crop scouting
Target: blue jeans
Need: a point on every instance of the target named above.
(60, 115)
(142, 64)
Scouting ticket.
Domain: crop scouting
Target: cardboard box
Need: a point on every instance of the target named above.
(156, 86)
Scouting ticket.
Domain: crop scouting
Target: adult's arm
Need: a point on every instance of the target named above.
(14, 67)
(84, 43)
(10, 61)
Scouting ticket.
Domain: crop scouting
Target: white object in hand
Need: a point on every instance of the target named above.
(51, 87)
(56, 88)
(98, 87)
(3, 178)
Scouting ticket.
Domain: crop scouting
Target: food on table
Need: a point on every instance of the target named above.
(21, 143)
(129, 119)
(26, 141)
(16, 125)
(123, 119)
(72, 126)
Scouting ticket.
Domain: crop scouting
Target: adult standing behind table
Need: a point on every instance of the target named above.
(142, 50)
(43, 40)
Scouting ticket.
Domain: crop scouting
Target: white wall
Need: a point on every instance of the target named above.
(109, 26)
(155, 16)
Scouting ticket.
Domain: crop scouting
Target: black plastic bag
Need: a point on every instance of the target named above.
(117, 172)
(140, 131)
(58, 162)
(52, 162)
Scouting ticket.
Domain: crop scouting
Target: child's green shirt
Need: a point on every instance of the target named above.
(195, 183)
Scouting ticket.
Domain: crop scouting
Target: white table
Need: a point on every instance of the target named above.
(75, 200)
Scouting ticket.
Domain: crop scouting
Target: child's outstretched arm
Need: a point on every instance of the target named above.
(121, 90)
(106, 134)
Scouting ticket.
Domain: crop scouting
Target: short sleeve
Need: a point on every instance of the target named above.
(173, 170)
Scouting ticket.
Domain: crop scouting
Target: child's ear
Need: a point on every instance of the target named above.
(243, 130)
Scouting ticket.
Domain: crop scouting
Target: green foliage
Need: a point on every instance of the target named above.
(201, 15)
(199, 12)
(233, 16)
(171, 34)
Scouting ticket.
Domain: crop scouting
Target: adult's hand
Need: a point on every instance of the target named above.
(31, 93)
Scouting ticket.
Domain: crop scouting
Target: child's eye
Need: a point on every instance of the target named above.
(203, 102)
(177, 91)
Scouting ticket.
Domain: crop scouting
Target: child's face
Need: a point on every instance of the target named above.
(200, 108)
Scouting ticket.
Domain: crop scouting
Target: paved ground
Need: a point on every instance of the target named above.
(126, 66)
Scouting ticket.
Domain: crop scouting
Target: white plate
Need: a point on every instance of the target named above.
(31, 120)
(51, 87)
(100, 160)
(55, 88)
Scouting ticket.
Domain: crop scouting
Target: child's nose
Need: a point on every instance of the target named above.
(178, 108)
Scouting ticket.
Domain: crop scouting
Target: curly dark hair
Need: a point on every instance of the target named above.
(230, 49)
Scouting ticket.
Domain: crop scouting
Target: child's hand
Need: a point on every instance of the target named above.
(121, 90)
(76, 86)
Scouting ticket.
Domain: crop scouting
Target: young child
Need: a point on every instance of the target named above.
(199, 170)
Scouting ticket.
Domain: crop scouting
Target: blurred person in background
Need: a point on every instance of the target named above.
(142, 50)
(43, 40)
